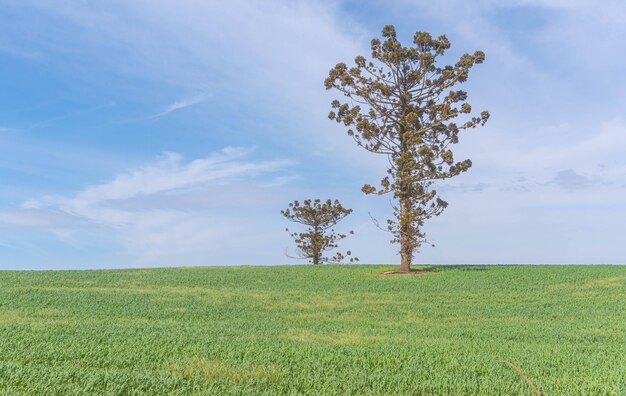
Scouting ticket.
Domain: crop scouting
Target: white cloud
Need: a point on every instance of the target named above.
(266, 59)
(183, 104)
(597, 151)
(152, 235)
(23, 218)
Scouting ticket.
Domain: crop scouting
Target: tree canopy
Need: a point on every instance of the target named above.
(403, 105)
(319, 237)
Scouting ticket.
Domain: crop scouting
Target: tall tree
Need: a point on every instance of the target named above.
(319, 236)
(402, 105)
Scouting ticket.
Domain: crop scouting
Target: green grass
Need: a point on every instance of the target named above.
(314, 330)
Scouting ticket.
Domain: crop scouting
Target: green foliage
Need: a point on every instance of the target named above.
(313, 330)
(319, 236)
(402, 105)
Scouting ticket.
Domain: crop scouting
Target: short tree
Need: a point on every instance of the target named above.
(319, 236)
(402, 105)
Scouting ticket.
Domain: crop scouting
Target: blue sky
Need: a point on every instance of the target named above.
(154, 133)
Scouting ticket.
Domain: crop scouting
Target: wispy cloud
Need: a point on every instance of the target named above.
(183, 104)
(229, 47)
(565, 167)
(151, 234)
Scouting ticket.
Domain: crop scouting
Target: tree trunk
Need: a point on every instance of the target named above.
(316, 241)
(406, 250)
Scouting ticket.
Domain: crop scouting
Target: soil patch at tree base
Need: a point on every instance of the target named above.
(412, 272)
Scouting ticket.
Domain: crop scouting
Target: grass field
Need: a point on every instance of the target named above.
(314, 330)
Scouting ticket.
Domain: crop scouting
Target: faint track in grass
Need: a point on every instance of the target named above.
(521, 373)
